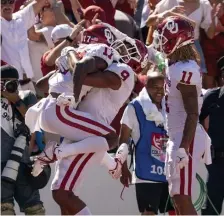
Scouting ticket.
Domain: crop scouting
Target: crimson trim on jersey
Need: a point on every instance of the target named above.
(182, 173)
(70, 169)
(76, 125)
(78, 172)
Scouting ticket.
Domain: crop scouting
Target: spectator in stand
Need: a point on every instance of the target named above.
(68, 11)
(59, 33)
(200, 11)
(14, 33)
(213, 49)
(127, 25)
(141, 16)
(40, 40)
(79, 5)
(90, 12)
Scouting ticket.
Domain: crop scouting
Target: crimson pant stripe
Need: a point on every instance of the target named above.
(90, 121)
(69, 172)
(75, 125)
(182, 173)
(190, 167)
(81, 167)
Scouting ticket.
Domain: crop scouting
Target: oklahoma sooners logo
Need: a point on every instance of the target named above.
(172, 26)
(109, 36)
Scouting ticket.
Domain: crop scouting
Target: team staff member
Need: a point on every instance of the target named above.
(143, 120)
(212, 118)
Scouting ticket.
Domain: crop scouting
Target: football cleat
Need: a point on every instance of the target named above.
(46, 157)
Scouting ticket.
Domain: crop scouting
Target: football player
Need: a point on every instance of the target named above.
(188, 141)
(93, 103)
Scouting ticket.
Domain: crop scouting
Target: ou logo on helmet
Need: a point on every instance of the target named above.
(172, 26)
(109, 36)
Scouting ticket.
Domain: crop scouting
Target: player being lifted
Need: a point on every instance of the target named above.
(174, 37)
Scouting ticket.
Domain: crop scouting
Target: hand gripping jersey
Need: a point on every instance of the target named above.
(104, 103)
(63, 82)
(186, 73)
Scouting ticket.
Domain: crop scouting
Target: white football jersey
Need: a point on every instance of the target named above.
(104, 103)
(63, 82)
(189, 74)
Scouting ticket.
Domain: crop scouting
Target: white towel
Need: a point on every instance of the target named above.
(151, 111)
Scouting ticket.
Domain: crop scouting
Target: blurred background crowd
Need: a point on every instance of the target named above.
(30, 35)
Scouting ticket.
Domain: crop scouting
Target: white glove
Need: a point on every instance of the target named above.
(62, 63)
(182, 158)
(66, 99)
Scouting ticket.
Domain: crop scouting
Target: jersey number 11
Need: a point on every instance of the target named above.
(186, 77)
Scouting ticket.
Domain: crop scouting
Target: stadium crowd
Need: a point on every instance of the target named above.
(34, 38)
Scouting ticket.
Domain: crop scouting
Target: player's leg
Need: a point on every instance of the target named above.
(64, 211)
(181, 181)
(69, 175)
(114, 164)
(90, 144)
(53, 151)
(71, 204)
(70, 123)
(76, 126)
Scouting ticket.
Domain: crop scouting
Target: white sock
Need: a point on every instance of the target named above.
(88, 145)
(84, 211)
(109, 161)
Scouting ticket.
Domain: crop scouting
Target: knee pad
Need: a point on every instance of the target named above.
(35, 210)
(7, 209)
